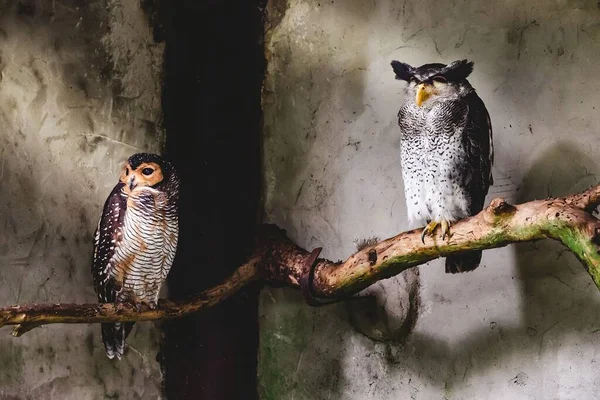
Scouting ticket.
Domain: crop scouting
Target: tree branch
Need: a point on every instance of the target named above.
(31, 316)
(279, 261)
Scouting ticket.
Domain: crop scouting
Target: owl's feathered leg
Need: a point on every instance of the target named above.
(430, 228)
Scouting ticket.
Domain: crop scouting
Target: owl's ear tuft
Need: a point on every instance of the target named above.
(402, 70)
(458, 70)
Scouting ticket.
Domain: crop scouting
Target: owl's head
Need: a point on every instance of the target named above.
(146, 169)
(432, 83)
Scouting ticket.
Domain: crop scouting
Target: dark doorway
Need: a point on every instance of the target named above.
(214, 67)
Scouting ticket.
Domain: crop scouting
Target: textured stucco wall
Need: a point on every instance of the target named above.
(79, 92)
(525, 324)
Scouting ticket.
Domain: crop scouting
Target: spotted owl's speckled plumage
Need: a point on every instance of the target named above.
(136, 240)
(446, 148)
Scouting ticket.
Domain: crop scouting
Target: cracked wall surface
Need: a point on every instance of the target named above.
(80, 91)
(525, 324)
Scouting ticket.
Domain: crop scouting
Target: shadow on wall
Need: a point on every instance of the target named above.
(559, 300)
(303, 348)
(66, 125)
(559, 297)
(559, 303)
(294, 141)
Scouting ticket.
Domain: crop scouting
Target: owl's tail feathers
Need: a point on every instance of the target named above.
(113, 337)
(463, 262)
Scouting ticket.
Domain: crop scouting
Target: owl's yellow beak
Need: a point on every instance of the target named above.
(423, 93)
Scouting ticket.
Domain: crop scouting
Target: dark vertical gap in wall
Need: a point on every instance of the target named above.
(214, 67)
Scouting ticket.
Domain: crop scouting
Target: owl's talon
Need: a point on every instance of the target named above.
(428, 230)
(445, 229)
(136, 306)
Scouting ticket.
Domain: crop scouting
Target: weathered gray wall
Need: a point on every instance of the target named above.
(79, 92)
(525, 325)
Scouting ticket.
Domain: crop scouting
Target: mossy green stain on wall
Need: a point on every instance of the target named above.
(273, 381)
(283, 338)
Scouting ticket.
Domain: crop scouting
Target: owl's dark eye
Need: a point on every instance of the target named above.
(147, 171)
(126, 171)
(439, 79)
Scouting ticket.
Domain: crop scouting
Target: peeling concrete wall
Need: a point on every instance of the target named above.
(525, 324)
(80, 91)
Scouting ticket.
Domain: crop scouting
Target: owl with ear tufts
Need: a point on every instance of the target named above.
(446, 150)
(136, 240)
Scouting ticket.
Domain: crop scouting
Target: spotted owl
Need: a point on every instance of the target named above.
(136, 240)
(446, 150)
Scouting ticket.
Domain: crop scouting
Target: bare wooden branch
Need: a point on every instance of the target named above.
(31, 316)
(279, 261)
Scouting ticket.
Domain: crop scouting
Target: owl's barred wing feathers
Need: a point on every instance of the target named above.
(107, 237)
(479, 148)
(480, 151)
(490, 144)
